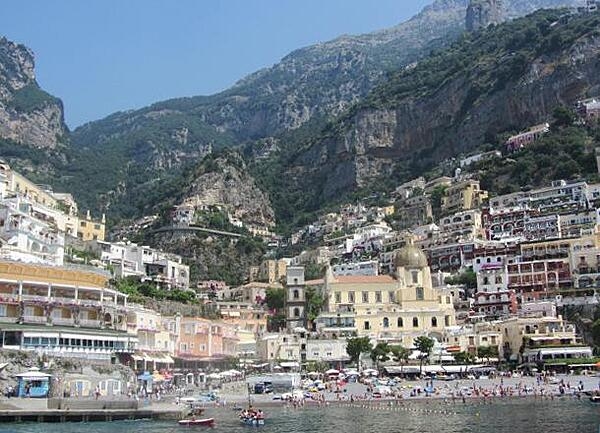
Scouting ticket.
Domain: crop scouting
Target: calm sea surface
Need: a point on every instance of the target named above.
(509, 416)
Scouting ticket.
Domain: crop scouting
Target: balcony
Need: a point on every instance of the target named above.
(87, 323)
(61, 321)
(5, 319)
(36, 319)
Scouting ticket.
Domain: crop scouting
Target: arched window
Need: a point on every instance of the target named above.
(296, 294)
(415, 322)
(400, 322)
(434, 322)
(386, 322)
(296, 312)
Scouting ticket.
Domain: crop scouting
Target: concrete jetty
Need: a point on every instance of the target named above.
(75, 410)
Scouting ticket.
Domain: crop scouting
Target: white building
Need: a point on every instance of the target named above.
(129, 259)
(27, 236)
(361, 268)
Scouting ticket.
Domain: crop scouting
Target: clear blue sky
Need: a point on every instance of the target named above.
(102, 56)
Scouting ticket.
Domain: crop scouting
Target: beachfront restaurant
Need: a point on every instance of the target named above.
(33, 383)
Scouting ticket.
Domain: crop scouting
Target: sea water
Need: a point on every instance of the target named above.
(500, 416)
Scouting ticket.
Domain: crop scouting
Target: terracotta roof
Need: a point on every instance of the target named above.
(364, 279)
(315, 282)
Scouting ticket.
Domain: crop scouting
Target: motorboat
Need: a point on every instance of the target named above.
(595, 398)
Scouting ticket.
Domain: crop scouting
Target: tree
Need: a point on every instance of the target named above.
(400, 353)
(313, 271)
(380, 353)
(424, 345)
(563, 117)
(275, 299)
(487, 352)
(464, 358)
(356, 346)
(314, 303)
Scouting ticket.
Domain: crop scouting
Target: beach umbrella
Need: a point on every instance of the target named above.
(332, 371)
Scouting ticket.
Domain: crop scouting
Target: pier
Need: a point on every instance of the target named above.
(73, 410)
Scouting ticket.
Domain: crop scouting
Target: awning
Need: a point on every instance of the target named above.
(137, 357)
(290, 364)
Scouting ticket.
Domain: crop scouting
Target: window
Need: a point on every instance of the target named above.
(420, 294)
(2, 310)
(365, 297)
(486, 280)
(296, 294)
(448, 300)
(400, 322)
(378, 297)
(386, 322)
(296, 312)
(392, 296)
(498, 279)
(434, 322)
(338, 297)
(96, 226)
(367, 325)
(415, 277)
(351, 297)
(82, 223)
(415, 322)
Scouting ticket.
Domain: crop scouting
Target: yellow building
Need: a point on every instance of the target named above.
(91, 230)
(272, 271)
(395, 308)
(17, 184)
(463, 195)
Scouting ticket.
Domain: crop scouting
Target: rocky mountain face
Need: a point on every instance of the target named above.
(500, 80)
(224, 181)
(482, 13)
(28, 115)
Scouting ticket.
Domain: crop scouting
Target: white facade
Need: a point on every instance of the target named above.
(129, 259)
(26, 237)
(362, 268)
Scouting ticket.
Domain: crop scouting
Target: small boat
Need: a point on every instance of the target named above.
(193, 422)
(253, 421)
(595, 399)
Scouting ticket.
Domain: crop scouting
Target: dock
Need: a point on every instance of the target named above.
(73, 410)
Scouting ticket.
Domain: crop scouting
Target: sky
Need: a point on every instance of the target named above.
(102, 56)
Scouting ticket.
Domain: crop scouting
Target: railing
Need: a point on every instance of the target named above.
(87, 323)
(35, 319)
(63, 321)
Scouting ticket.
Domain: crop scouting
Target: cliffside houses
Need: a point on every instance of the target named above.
(519, 141)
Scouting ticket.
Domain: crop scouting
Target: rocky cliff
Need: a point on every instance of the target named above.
(224, 181)
(28, 115)
(500, 80)
(482, 13)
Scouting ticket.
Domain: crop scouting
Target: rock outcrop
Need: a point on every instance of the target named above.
(482, 13)
(225, 182)
(28, 115)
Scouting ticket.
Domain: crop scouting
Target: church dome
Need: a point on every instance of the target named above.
(411, 257)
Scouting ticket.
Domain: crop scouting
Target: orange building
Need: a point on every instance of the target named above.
(205, 340)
